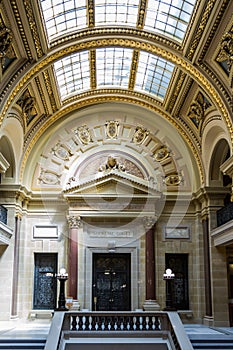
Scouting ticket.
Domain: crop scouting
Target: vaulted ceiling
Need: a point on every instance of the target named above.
(65, 63)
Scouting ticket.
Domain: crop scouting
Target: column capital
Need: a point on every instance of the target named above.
(74, 221)
(149, 221)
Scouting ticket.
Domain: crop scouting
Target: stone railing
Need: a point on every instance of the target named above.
(224, 214)
(165, 327)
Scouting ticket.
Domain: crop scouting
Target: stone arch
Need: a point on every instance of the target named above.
(7, 151)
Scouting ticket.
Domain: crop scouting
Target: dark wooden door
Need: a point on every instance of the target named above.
(45, 283)
(111, 282)
(178, 263)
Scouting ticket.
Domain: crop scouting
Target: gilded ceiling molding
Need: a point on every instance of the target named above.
(114, 98)
(89, 33)
(37, 80)
(176, 91)
(201, 59)
(141, 13)
(90, 13)
(129, 43)
(49, 89)
(133, 69)
(33, 27)
(92, 69)
(21, 28)
(204, 19)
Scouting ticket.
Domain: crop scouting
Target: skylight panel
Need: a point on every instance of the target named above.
(169, 17)
(153, 75)
(73, 74)
(116, 12)
(113, 67)
(63, 16)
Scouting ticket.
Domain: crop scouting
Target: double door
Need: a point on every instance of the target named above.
(111, 282)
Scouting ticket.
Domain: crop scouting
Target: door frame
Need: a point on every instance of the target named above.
(85, 289)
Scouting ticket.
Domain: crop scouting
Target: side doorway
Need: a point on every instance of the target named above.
(45, 282)
(178, 263)
(111, 289)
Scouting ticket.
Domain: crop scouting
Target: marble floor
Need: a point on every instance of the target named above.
(18, 329)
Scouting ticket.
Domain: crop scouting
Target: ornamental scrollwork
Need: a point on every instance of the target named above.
(161, 153)
(62, 151)
(139, 135)
(28, 105)
(226, 49)
(74, 221)
(84, 134)
(112, 127)
(173, 180)
(112, 164)
(6, 50)
(197, 109)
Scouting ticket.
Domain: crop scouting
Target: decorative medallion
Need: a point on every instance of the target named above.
(112, 129)
(139, 135)
(49, 177)
(161, 153)
(173, 180)
(62, 151)
(83, 132)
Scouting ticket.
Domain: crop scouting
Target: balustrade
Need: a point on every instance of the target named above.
(115, 322)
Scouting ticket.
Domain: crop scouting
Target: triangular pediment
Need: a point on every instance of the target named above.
(112, 183)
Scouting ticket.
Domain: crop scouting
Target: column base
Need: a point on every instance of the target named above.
(208, 321)
(151, 305)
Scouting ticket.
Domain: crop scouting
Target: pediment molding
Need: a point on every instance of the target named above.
(105, 183)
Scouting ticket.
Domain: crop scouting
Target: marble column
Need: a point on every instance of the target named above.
(150, 302)
(208, 297)
(14, 305)
(74, 224)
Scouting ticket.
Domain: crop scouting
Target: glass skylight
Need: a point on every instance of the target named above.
(63, 16)
(113, 67)
(167, 17)
(113, 70)
(170, 17)
(73, 74)
(116, 12)
(153, 75)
